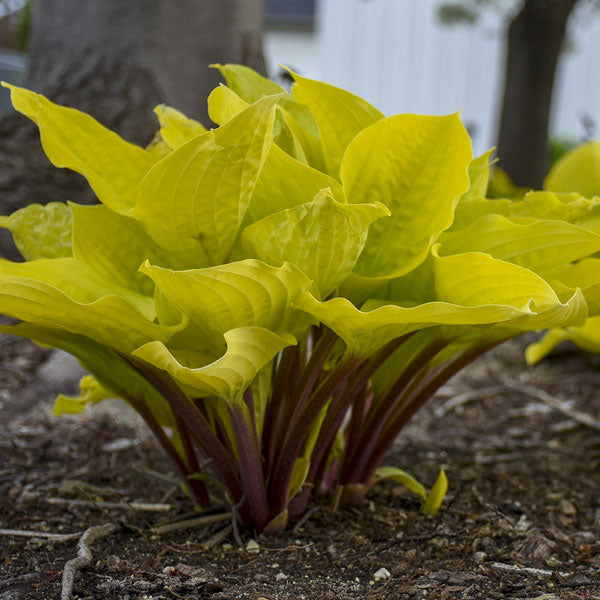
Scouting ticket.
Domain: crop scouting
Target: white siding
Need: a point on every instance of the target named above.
(396, 55)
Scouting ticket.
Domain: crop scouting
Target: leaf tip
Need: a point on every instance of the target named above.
(294, 76)
(145, 267)
(436, 494)
(384, 210)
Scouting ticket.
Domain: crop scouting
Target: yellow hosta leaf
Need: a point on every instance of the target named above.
(194, 199)
(285, 182)
(249, 349)
(224, 104)
(323, 238)
(41, 231)
(572, 208)
(586, 337)
(247, 83)
(240, 294)
(113, 167)
(584, 275)
(91, 392)
(339, 115)
(175, 128)
(479, 175)
(436, 494)
(403, 478)
(539, 245)
(474, 289)
(417, 167)
(577, 171)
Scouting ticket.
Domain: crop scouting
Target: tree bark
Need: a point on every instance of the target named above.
(117, 60)
(535, 38)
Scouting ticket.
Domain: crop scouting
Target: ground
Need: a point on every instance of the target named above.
(521, 519)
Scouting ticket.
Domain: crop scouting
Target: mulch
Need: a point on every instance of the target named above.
(521, 518)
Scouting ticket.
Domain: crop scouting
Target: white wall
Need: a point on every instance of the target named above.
(396, 55)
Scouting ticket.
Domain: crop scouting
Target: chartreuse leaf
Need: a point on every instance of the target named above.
(247, 83)
(194, 199)
(91, 392)
(118, 256)
(403, 478)
(74, 279)
(226, 297)
(339, 116)
(417, 167)
(479, 175)
(572, 208)
(431, 501)
(63, 293)
(249, 349)
(113, 167)
(474, 289)
(41, 231)
(416, 287)
(298, 477)
(475, 279)
(285, 183)
(175, 127)
(587, 337)
(250, 86)
(577, 171)
(436, 494)
(582, 274)
(366, 331)
(539, 245)
(224, 104)
(303, 128)
(500, 185)
(323, 238)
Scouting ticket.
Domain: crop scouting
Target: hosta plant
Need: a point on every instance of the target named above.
(281, 293)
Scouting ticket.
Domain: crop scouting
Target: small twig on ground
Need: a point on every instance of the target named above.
(189, 523)
(56, 537)
(147, 471)
(521, 570)
(172, 490)
(465, 397)
(76, 485)
(139, 506)
(497, 458)
(557, 403)
(84, 556)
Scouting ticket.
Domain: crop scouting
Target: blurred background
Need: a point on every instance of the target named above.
(525, 74)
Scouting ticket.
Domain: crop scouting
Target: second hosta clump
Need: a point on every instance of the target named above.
(279, 294)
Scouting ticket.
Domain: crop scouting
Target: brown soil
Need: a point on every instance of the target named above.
(521, 519)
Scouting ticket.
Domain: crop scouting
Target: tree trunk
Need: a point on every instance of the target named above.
(535, 38)
(117, 60)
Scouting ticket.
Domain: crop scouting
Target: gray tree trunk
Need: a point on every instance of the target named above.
(117, 60)
(535, 40)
